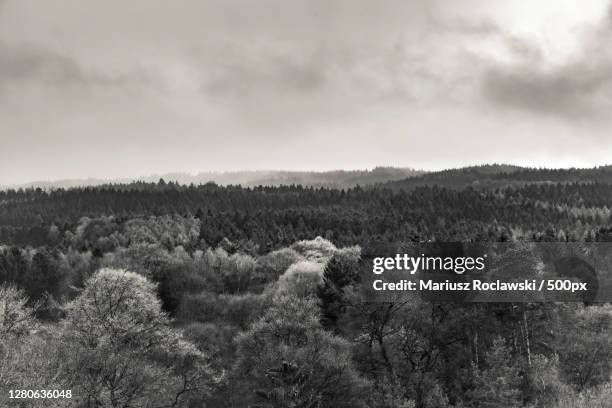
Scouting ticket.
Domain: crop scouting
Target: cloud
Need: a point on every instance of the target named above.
(29, 64)
(22, 63)
(243, 73)
(110, 90)
(579, 87)
(571, 91)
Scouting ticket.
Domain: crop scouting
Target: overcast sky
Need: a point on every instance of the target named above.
(123, 88)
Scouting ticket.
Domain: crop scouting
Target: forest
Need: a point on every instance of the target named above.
(171, 295)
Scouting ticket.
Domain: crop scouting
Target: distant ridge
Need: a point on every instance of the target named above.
(502, 175)
(330, 179)
(480, 177)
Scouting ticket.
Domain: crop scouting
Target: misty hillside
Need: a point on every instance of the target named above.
(497, 175)
(330, 179)
(480, 177)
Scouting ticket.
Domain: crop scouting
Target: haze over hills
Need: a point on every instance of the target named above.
(396, 178)
(331, 179)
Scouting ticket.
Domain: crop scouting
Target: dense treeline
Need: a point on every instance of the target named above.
(271, 217)
(499, 175)
(161, 295)
(289, 328)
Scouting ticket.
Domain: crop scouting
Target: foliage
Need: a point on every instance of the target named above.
(125, 352)
(16, 317)
(496, 386)
(243, 297)
(287, 360)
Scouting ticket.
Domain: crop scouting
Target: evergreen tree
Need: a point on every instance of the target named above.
(341, 270)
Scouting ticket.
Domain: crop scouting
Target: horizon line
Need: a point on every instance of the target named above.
(131, 179)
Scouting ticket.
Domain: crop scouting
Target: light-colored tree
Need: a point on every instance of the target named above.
(126, 354)
(16, 317)
(317, 250)
(36, 361)
(29, 353)
(301, 278)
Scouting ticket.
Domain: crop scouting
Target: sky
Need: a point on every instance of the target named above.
(116, 88)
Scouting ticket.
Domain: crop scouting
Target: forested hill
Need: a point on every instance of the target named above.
(263, 218)
(480, 177)
(331, 179)
(494, 176)
(251, 296)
